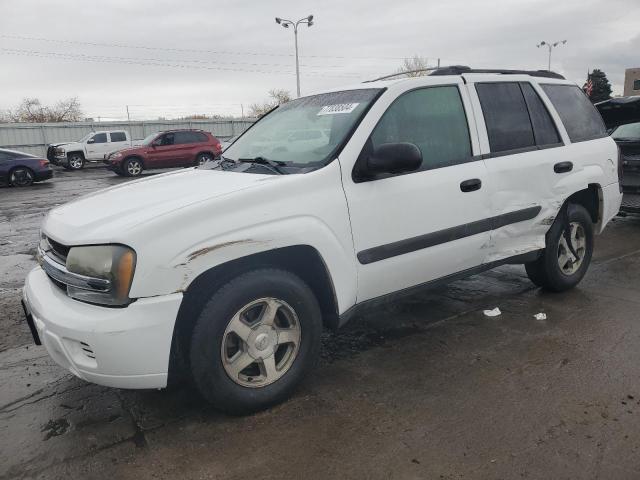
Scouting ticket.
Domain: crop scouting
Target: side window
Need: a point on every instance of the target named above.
(167, 139)
(4, 156)
(432, 118)
(118, 137)
(506, 116)
(544, 130)
(579, 116)
(100, 138)
(636, 84)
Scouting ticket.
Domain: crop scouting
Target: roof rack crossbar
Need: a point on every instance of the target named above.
(461, 69)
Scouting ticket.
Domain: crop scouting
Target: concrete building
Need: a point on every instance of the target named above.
(632, 81)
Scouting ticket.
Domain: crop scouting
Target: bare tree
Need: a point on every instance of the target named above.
(31, 110)
(412, 64)
(277, 97)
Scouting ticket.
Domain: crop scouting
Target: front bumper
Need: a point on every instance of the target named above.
(116, 347)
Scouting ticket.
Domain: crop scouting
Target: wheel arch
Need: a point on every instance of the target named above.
(591, 198)
(302, 260)
(77, 151)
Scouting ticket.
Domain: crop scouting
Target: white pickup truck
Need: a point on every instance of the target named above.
(228, 272)
(90, 148)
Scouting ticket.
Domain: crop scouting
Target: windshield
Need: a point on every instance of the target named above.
(149, 138)
(630, 131)
(305, 131)
(85, 138)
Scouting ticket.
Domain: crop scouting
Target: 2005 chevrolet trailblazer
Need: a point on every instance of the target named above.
(229, 273)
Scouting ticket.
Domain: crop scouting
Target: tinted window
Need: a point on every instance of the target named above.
(118, 137)
(431, 118)
(182, 137)
(100, 138)
(4, 156)
(544, 130)
(199, 137)
(630, 131)
(167, 139)
(506, 116)
(636, 84)
(579, 116)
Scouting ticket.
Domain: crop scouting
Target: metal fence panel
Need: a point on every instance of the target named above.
(34, 137)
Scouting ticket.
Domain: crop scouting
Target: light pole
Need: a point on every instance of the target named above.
(550, 46)
(288, 23)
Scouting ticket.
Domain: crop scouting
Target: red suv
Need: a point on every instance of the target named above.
(173, 148)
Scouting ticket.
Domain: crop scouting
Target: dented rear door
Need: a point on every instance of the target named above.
(525, 158)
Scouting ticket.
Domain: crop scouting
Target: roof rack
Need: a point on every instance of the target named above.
(461, 69)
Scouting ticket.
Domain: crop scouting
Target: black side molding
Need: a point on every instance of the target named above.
(401, 247)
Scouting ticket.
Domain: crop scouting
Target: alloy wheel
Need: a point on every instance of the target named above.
(133, 167)
(21, 177)
(261, 342)
(567, 261)
(75, 162)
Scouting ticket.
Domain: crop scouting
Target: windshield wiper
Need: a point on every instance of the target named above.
(273, 164)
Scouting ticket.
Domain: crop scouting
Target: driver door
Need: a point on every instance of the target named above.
(419, 226)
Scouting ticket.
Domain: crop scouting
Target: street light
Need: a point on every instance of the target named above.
(550, 46)
(288, 23)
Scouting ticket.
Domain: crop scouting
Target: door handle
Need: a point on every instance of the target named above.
(471, 185)
(563, 167)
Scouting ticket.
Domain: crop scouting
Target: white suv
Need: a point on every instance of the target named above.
(228, 273)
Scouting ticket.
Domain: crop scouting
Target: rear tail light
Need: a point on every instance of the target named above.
(44, 163)
(620, 168)
(218, 147)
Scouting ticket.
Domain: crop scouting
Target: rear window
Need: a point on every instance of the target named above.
(506, 116)
(579, 116)
(118, 137)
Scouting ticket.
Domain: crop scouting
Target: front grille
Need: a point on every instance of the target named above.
(59, 250)
(51, 153)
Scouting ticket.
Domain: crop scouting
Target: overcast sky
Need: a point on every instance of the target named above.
(172, 58)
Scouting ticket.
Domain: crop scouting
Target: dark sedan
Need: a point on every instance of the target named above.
(21, 169)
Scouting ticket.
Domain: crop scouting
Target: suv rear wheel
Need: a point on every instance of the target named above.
(203, 158)
(75, 161)
(132, 167)
(567, 255)
(255, 340)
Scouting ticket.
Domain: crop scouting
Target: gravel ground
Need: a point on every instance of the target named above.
(426, 388)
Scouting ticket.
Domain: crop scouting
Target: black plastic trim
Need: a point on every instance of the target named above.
(401, 247)
(376, 302)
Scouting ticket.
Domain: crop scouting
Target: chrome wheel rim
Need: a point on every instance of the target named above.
(134, 167)
(261, 342)
(75, 162)
(567, 261)
(204, 159)
(21, 177)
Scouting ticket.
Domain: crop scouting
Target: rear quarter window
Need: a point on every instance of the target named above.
(579, 116)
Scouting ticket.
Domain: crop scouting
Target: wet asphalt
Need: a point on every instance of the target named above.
(426, 388)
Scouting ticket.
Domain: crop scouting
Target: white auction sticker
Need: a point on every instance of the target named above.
(338, 108)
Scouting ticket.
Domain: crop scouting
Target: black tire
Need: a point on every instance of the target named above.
(132, 167)
(546, 272)
(21, 177)
(207, 369)
(118, 171)
(75, 161)
(203, 158)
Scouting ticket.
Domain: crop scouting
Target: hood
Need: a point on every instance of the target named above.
(108, 215)
(59, 144)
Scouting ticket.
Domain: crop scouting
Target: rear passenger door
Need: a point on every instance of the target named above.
(521, 145)
(184, 144)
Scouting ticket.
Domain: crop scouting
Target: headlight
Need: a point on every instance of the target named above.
(59, 151)
(115, 263)
(116, 155)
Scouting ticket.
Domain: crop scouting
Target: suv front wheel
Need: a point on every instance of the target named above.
(75, 161)
(567, 255)
(132, 167)
(255, 340)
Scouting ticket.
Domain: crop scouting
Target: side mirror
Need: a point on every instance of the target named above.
(394, 158)
(91, 140)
